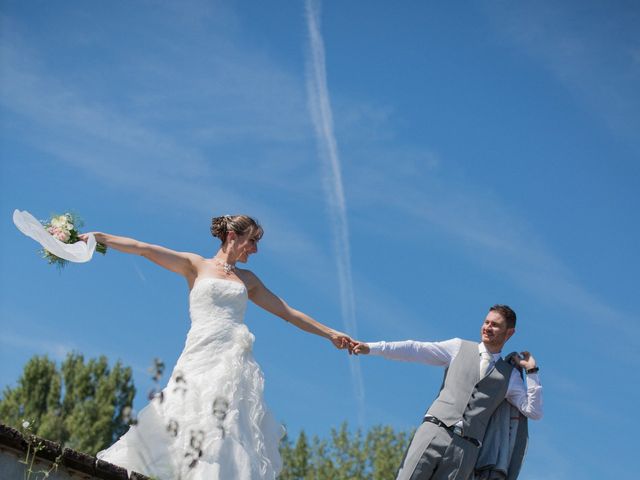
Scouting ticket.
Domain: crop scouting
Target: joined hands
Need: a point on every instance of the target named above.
(354, 347)
(342, 340)
(361, 347)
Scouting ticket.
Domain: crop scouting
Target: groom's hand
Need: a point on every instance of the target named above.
(526, 360)
(361, 347)
(342, 341)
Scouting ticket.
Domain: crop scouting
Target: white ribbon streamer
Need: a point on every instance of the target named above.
(78, 252)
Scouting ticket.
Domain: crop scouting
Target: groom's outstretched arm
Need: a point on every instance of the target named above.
(431, 353)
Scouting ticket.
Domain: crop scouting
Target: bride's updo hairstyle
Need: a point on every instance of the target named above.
(241, 224)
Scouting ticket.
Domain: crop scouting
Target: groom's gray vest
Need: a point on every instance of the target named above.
(467, 397)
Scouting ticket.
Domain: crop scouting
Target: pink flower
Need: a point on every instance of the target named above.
(61, 235)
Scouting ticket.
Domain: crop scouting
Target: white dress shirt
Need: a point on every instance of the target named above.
(527, 399)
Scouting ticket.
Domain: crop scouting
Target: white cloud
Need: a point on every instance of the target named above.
(486, 230)
(587, 56)
(58, 350)
(321, 112)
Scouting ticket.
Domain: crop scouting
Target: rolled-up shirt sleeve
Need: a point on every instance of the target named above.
(431, 353)
(526, 398)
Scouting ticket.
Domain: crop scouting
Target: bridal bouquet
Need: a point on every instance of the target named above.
(65, 229)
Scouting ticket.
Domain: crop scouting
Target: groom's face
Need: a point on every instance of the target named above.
(494, 332)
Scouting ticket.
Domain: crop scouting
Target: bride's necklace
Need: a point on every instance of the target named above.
(227, 267)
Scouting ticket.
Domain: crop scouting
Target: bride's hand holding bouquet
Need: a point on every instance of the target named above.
(65, 229)
(59, 237)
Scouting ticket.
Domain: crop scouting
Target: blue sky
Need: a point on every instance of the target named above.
(487, 152)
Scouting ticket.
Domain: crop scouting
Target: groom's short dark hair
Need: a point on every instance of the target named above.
(507, 313)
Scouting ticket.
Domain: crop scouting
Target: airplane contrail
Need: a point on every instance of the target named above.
(322, 117)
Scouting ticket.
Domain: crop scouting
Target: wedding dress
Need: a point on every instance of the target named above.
(210, 421)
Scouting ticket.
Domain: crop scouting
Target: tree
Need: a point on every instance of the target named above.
(296, 460)
(347, 452)
(385, 449)
(82, 405)
(344, 455)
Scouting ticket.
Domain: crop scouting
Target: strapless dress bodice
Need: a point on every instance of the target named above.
(217, 299)
(217, 307)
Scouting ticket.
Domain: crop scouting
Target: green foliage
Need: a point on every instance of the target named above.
(385, 449)
(295, 458)
(345, 455)
(82, 405)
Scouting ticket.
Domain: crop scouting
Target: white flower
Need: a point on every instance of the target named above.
(25, 424)
(59, 221)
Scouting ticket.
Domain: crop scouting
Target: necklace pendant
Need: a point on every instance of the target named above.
(228, 268)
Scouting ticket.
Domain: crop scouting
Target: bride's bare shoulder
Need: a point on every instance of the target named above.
(201, 264)
(195, 258)
(249, 278)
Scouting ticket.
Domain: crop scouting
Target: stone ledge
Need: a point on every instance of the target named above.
(71, 463)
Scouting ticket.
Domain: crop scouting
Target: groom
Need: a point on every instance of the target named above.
(476, 383)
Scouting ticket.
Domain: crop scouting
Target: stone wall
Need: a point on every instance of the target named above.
(18, 453)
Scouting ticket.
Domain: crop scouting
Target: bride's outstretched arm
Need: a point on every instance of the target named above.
(179, 262)
(264, 298)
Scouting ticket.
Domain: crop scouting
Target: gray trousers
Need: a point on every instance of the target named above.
(437, 454)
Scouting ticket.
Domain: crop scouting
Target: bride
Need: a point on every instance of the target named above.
(210, 421)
